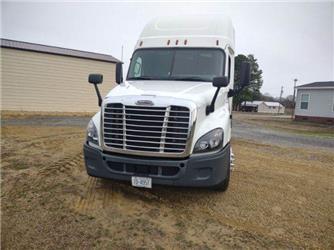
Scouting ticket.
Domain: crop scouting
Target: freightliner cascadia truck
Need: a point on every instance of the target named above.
(169, 122)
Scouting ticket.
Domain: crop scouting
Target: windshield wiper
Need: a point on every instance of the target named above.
(189, 78)
(141, 78)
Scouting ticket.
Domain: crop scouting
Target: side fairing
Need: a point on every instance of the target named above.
(218, 119)
(97, 122)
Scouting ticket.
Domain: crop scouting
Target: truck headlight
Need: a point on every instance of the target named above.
(212, 140)
(92, 135)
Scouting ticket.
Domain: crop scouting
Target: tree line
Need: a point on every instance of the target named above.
(252, 92)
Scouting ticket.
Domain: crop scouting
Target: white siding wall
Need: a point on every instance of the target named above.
(33, 81)
(320, 103)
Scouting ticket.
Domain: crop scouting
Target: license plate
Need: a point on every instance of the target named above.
(144, 182)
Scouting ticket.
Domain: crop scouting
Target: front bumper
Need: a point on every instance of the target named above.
(195, 171)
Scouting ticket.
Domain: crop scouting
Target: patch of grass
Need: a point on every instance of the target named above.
(19, 164)
(302, 129)
(180, 224)
(180, 237)
(158, 247)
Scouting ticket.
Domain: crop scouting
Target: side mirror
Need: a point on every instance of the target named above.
(95, 78)
(220, 81)
(245, 71)
(119, 72)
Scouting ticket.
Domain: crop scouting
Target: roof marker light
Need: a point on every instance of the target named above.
(185, 42)
(217, 42)
(168, 42)
(141, 43)
(176, 42)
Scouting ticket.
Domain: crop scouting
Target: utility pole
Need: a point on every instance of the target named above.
(293, 99)
(280, 99)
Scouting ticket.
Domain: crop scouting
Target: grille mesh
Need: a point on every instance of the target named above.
(148, 129)
(146, 170)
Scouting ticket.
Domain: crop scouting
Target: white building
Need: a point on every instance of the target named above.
(315, 102)
(263, 107)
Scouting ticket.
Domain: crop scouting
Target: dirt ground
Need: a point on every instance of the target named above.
(279, 197)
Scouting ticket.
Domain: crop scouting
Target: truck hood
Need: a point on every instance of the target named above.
(200, 93)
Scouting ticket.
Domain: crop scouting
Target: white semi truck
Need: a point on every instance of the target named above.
(169, 122)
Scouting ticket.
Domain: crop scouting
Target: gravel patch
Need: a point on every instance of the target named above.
(244, 130)
(48, 121)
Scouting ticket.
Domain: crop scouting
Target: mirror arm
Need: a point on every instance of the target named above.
(98, 95)
(231, 93)
(211, 107)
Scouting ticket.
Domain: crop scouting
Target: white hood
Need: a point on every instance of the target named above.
(200, 93)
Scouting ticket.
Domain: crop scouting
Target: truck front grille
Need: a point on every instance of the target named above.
(148, 129)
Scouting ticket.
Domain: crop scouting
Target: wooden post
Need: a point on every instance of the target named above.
(293, 100)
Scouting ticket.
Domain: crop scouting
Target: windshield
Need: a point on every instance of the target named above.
(177, 64)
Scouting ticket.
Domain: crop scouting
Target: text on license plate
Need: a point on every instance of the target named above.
(145, 182)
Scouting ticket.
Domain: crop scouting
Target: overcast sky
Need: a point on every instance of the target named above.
(290, 40)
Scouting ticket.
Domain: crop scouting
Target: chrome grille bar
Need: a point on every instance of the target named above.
(150, 110)
(148, 147)
(153, 137)
(164, 130)
(153, 115)
(124, 128)
(142, 120)
(142, 131)
(145, 126)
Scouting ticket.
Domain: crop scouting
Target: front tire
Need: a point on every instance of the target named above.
(223, 186)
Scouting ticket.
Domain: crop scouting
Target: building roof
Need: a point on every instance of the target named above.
(257, 103)
(273, 104)
(251, 104)
(317, 85)
(13, 44)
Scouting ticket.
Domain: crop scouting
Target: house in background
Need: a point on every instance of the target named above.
(315, 102)
(38, 77)
(263, 107)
